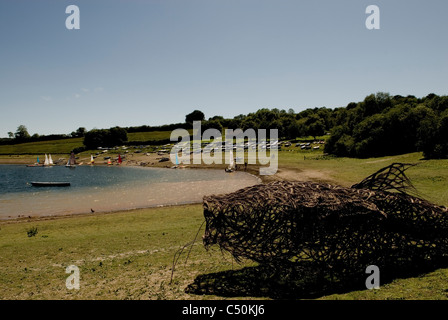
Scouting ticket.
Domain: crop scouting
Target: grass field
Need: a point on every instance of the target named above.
(430, 177)
(120, 256)
(64, 146)
(129, 255)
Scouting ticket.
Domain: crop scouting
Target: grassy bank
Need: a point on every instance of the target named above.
(65, 146)
(129, 255)
(120, 256)
(430, 177)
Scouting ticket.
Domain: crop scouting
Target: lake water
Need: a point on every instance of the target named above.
(103, 188)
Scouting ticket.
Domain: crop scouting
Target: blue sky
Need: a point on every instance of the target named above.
(152, 62)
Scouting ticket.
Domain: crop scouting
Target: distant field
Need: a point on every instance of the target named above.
(65, 146)
(149, 136)
(40, 147)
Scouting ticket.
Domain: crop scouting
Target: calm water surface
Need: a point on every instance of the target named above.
(111, 188)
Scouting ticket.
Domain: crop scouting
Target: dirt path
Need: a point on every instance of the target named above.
(293, 174)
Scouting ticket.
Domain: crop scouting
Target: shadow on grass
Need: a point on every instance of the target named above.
(264, 281)
(299, 282)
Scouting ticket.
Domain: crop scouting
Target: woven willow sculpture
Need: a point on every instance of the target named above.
(340, 230)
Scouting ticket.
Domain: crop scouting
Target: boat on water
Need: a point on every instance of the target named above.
(37, 164)
(50, 184)
(231, 166)
(177, 163)
(71, 163)
(48, 161)
(178, 166)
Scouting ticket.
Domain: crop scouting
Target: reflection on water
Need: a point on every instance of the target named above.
(120, 189)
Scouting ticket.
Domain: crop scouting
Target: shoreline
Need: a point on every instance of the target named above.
(252, 172)
(89, 214)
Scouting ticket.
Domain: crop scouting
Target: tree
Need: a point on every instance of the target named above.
(22, 134)
(95, 138)
(433, 137)
(314, 126)
(10, 135)
(79, 133)
(105, 138)
(117, 136)
(211, 124)
(293, 130)
(196, 115)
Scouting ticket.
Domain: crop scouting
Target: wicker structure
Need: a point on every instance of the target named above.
(339, 230)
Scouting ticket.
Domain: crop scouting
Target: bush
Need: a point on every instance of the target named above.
(105, 138)
(31, 232)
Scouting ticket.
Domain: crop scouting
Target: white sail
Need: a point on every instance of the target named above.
(46, 163)
(50, 160)
(231, 163)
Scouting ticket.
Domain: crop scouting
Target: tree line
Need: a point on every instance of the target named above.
(22, 135)
(384, 125)
(379, 125)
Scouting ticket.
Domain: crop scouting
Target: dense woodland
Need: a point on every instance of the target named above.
(379, 125)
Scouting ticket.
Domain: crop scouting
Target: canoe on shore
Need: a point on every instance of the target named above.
(50, 184)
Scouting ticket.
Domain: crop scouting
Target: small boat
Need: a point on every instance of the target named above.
(50, 184)
(37, 164)
(71, 163)
(177, 163)
(231, 166)
(92, 161)
(48, 161)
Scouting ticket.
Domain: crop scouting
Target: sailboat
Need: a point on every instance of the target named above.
(37, 164)
(231, 166)
(48, 161)
(92, 162)
(177, 162)
(71, 163)
(119, 159)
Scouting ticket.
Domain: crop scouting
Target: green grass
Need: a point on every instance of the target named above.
(63, 146)
(125, 255)
(430, 286)
(129, 255)
(430, 177)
